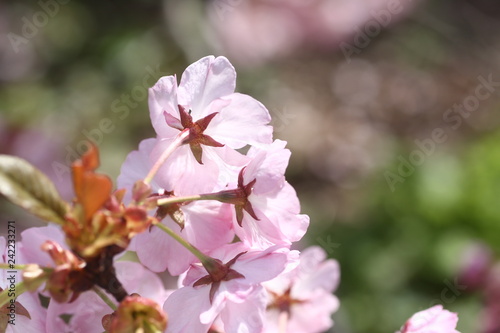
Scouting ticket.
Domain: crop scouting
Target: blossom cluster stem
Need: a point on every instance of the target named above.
(283, 321)
(178, 141)
(105, 298)
(13, 267)
(203, 258)
(172, 200)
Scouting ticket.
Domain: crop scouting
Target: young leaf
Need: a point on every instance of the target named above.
(26, 186)
(92, 189)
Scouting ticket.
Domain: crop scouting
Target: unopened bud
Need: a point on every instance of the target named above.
(137, 314)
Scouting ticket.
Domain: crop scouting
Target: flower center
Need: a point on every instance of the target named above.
(239, 198)
(218, 272)
(196, 136)
(283, 302)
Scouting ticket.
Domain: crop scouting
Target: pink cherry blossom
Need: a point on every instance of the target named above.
(304, 293)
(257, 31)
(432, 320)
(218, 119)
(271, 213)
(237, 298)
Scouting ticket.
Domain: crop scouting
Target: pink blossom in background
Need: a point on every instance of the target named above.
(46, 155)
(304, 293)
(491, 313)
(256, 31)
(432, 320)
(477, 260)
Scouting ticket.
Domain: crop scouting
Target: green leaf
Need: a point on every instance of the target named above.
(26, 186)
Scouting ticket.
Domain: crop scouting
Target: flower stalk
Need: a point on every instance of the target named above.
(182, 138)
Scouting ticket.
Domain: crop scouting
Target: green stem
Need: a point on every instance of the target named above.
(178, 141)
(13, 267)
(105, 298)
(17, 290)
(203, 258)
(171, 200)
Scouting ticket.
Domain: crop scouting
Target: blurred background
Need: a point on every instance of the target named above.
(390, 109)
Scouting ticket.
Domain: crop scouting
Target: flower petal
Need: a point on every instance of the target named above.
(32, 240)
(163, 97)
(243, 121)
(204, 81)
(136, 167)
(260, 266)
(184, 307)
(245, 317)
(182, 173)
(158, 251)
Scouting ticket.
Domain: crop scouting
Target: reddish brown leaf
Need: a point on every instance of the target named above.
(92, 189)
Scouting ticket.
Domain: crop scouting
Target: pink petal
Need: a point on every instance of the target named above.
(184, 307)
(182, 173)
(245, 317)
(137, 279)
(229, 161)
(87, 312)
(163, 97)
(279, 221)
(158, 251)
(314, 315)
(208, 224)
(31, 243)
(314, 272)
(259, 234)
(38, 314)
(284, 208)
(204, 81)
(268, 166)
(136, 167)
(325, 276)
(260, 266)
(432, 320)
(243, 121)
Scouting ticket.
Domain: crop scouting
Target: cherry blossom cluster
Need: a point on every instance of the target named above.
(206, 199)
(237, 209)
